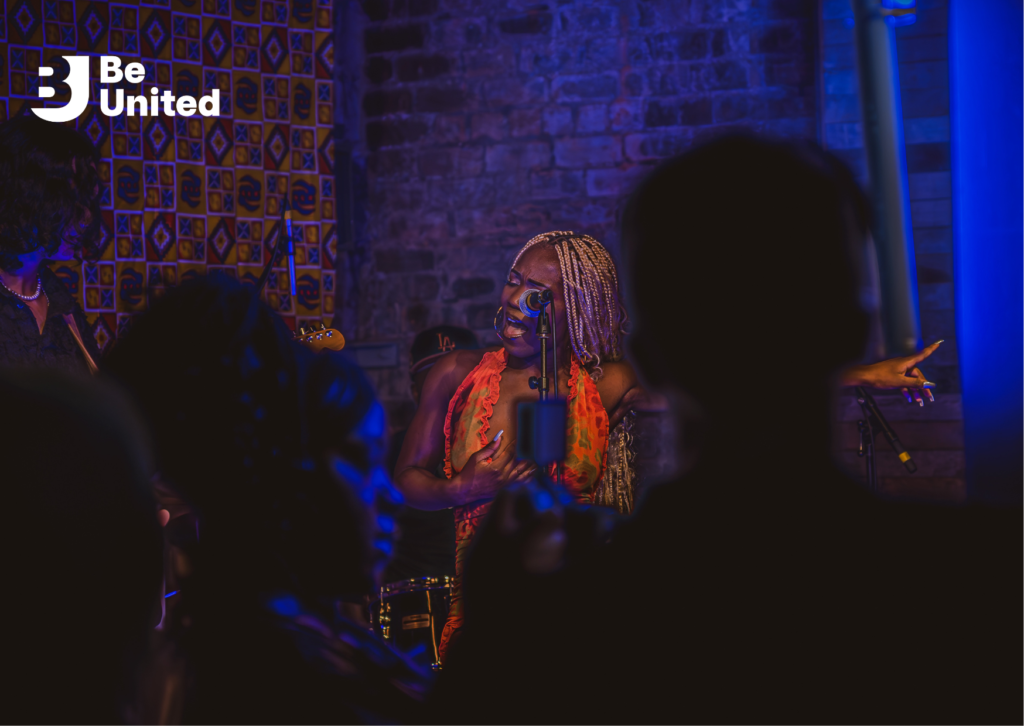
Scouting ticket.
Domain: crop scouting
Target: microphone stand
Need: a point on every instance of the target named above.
(554, 362)
(290, 249)
(870, 426)
(545, 330)
(275, 255)
(543, 334)
(867, 450)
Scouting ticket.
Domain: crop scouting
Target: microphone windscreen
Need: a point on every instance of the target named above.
(529, 303)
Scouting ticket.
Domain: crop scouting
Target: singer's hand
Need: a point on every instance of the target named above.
(901, 373)
(481, 479)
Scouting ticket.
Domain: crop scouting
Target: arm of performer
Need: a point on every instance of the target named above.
(486, 472)
(901, 373)
(622, 392)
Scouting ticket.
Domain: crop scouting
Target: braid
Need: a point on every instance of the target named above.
(592, 307)
(572, 315)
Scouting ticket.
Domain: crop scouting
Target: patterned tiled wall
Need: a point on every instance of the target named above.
(186, 195)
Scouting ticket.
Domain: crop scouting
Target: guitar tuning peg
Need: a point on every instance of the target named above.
(303, 330)
(323, 326)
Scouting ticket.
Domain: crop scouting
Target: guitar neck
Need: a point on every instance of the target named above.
(323, 338)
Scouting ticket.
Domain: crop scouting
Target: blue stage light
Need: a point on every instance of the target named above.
(285, 605)
(986, 74)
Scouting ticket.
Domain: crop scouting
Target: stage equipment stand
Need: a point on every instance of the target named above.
(541, 424)
(285, 227)
(870, 426)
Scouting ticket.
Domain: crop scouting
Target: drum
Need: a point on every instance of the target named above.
(410, 615)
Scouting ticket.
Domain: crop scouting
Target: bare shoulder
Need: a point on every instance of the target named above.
(618, 378)
(466, 360)
(452, 368)
(618, 373)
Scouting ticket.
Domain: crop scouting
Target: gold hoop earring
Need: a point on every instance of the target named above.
(497, 316)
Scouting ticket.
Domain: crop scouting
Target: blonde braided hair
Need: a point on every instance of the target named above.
(594, 312)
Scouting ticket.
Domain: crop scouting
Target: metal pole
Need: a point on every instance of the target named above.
(882, 116)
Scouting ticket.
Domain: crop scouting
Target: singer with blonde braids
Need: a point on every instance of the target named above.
(467, 416)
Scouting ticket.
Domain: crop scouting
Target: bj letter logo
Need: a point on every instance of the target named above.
(110, 72)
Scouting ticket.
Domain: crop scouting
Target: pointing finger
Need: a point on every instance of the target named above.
(917, 358)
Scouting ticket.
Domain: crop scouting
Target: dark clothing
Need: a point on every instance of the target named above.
(23, 346)
(237, 663)
(425, 545)
(732, 597)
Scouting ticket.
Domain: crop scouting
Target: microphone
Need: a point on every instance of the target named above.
(532, 302)
(290, 249)
(878, 421)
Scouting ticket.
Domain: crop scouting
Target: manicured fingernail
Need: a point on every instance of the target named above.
(940, 341)
(928, 384)
(498, 435)
(920, 402)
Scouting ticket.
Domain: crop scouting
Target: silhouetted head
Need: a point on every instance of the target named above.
(82, 550)
(277, 448)
(49, 191)
(744, 269)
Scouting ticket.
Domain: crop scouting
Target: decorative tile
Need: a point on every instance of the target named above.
(182, 196)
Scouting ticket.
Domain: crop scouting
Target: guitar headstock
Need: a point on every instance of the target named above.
(322, 338)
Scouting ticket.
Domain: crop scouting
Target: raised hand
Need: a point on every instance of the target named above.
(901, 373)
(491, 469)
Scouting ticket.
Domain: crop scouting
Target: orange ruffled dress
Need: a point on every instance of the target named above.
(466, 432)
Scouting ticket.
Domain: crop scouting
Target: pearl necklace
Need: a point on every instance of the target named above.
(39, 290)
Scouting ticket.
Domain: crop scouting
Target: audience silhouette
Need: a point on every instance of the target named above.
(82, 551)
(761, 586)
(279, 451)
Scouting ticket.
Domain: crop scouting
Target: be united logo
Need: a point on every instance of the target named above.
(110, 72)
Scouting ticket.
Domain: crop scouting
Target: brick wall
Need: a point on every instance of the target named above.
(484, 122)
(934, 434)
